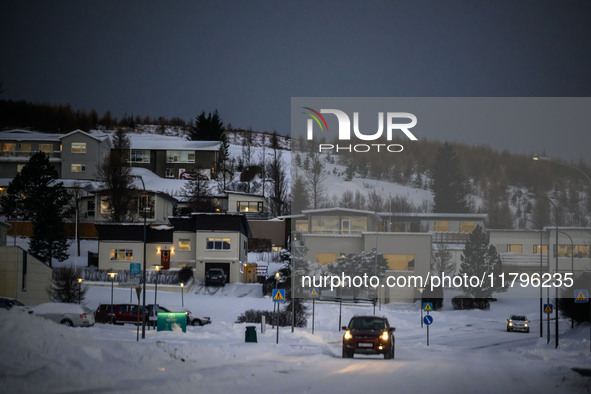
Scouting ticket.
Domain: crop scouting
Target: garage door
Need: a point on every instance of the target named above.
(224, 266)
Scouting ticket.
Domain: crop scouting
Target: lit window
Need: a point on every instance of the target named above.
(218, 244)
(139, 156)
(121, 254)
(46, 148)
(78, 147)
(400, 262)
(78, 168)
(515, 248)
(326, 258)
(249, 206)
(466, 227)
(441, 226)
(180, 156)
(184, 244)
(19, 168)
(537, 249)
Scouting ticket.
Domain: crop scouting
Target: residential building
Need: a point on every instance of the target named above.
(23, 277)
(200, 241)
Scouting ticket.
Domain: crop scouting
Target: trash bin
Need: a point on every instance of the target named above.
(251, 334)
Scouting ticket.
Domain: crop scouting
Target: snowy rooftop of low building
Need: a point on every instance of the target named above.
(28, 135)
(164, 142)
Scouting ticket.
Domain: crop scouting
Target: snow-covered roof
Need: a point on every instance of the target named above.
(96, 136)
(163, 142)
(436, 215)
(320, 210)
(28, 135)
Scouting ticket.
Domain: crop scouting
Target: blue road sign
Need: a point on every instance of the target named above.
(428, 319)
(547, 308)
(581, 296)
(135, 268)
(278, 295)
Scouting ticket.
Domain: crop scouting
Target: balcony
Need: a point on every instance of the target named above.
(450, 238)
(25, 155)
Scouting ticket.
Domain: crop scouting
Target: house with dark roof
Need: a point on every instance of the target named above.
(200, 241)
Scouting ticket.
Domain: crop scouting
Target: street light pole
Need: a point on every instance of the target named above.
(182, 295)
(144, 267)
(112, 275)
(80, 289)
(572, 266)
(541, 293)
(157, 268)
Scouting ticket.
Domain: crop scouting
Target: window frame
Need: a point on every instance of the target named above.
(80, 147)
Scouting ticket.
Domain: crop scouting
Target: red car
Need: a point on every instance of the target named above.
(121, 313)
(368, 335)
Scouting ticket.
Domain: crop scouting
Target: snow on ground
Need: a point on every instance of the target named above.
(469, 351)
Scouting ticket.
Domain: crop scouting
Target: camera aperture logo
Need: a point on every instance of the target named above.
(391, 125)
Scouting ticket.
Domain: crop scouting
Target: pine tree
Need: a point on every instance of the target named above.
(65, 287)
(115, 174)
(210, 128)
(479, 260)
(44, 202)
(449, 185)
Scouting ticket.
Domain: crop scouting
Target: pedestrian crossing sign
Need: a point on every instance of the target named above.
(427, 306)
(314, 292)
(581, 296)
(278, 295)
(547, 308)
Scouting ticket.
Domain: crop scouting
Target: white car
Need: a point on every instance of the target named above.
(73, 315)
(518, 323)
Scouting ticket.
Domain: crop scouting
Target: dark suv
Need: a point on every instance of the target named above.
(121, 313)
(215, 276)
(368, 335)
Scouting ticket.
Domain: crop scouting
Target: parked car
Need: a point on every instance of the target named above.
(9, 303)
(74, 315)
(191, 319)
(368, 335)
(215, 276)
(121, 313)
(518, 323)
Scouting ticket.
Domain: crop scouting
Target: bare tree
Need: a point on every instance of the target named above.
(315, 177)
(441, 262)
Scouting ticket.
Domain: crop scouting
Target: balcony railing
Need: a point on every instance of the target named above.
(25, 154)
(450, 238)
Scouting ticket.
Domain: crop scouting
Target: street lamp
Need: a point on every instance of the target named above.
(157, 268)
(541, 293)
(182, 295)
(144, 266)
(80, 289)
(421, 289)
(112, 275)
(572, 265)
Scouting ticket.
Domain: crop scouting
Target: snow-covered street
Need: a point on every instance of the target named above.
(470, 351)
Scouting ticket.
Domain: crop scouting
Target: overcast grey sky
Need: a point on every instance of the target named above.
(248, 58)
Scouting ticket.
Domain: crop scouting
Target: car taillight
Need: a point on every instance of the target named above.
(83, 316)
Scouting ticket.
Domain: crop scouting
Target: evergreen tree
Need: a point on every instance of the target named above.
(449, 185)
(115, 174)
(44, 202)
(210, 128)
(65, 287)
(480, 259)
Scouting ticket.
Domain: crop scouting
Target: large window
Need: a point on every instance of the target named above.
(515, 248)
(169, 173)
(400, 262)
(249, 206)
(326, 258)
(121, 254)
(78, 168)
(301, 225)
(184, 244)
(24, 149)
(578, 251)
(46, 148)
(150, 211)
(466, 226)
(218, 244)
(441, 226)
(180, 156)
(536, 249)
(78, 147)
(8, 149)
(325, 224)
(139, 156)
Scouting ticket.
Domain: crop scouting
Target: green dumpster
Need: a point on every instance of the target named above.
(251, 334)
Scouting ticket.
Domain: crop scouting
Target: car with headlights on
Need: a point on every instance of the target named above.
(73, 315)
(368, 335)
(518, 323)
